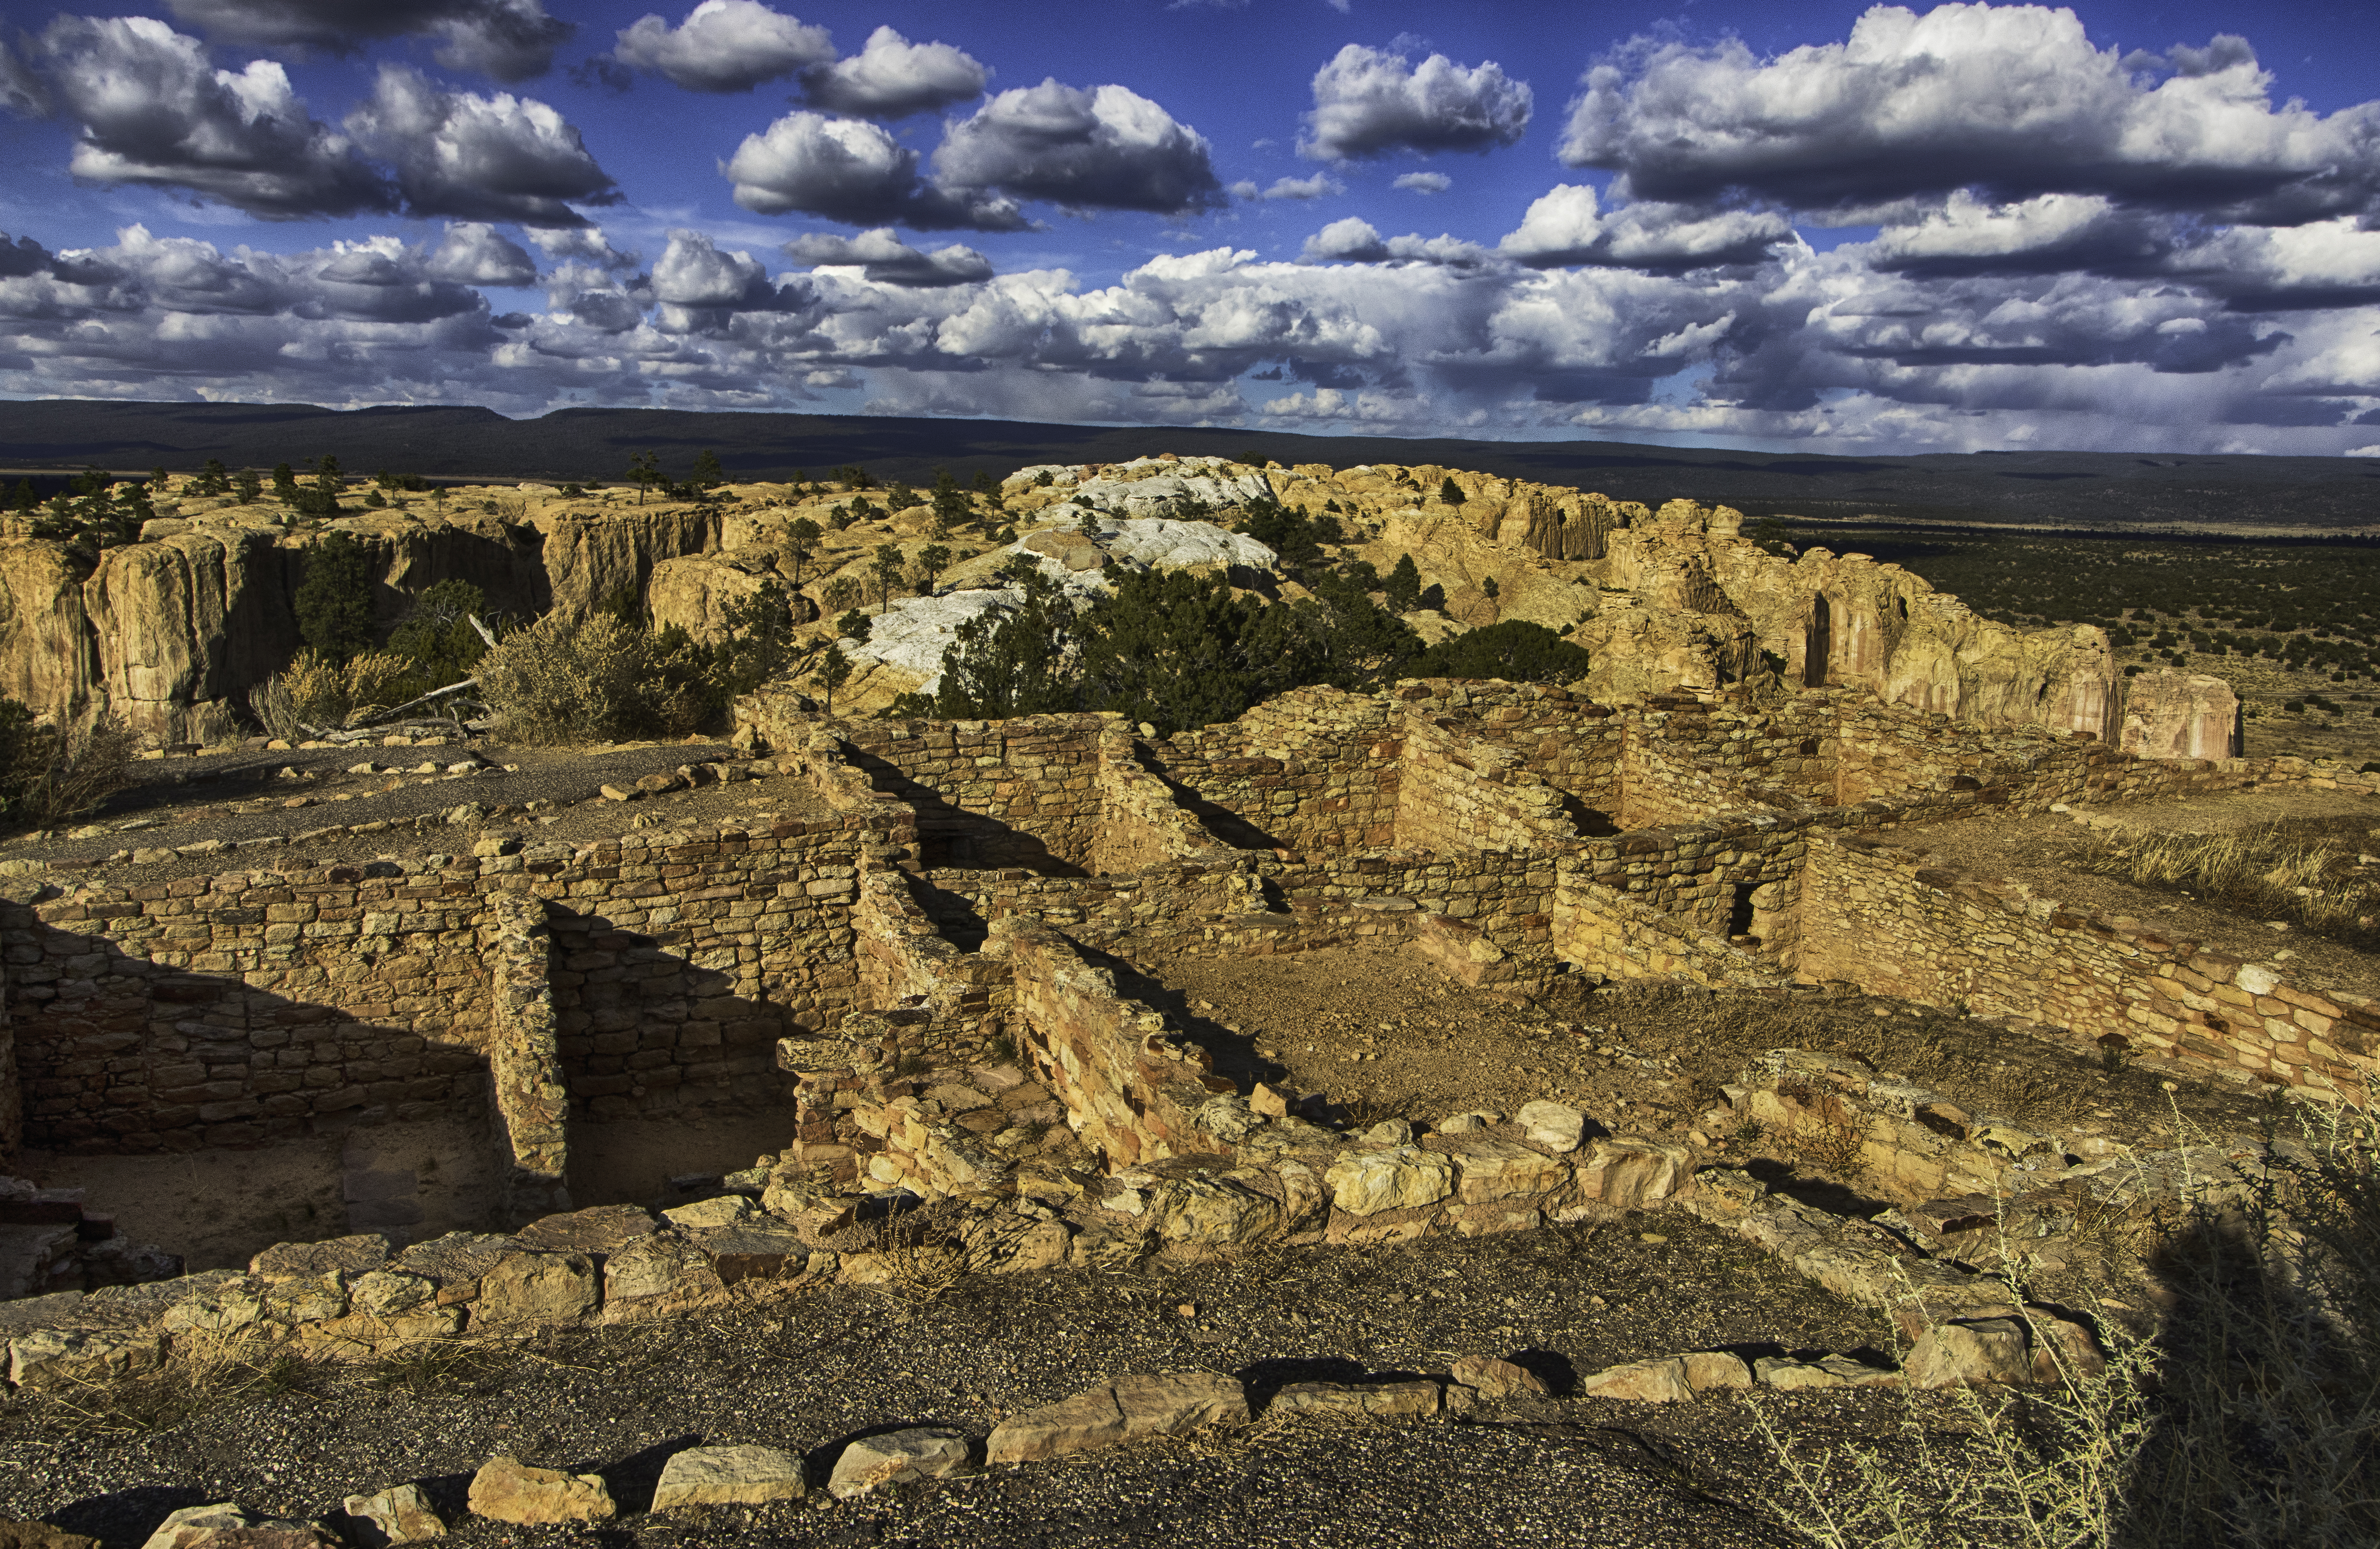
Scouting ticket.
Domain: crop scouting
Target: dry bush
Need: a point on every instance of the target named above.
(571, 680)
(313, 691)
(2248, 1417)
(49, 774)
(927, 1252)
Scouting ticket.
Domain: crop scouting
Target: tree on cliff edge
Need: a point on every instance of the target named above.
(334, 602)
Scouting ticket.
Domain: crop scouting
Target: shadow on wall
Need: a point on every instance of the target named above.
(643, 1032)
(949, 835)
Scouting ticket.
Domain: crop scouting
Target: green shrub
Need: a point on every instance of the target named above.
(565, 681)
(1515, 651)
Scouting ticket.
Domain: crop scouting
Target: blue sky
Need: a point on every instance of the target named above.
(1827, 227)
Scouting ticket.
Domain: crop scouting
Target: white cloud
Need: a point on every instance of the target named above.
(510, 39)
(489, 158)
(472, 253)
(884, 259)
(723, 45)
(1370, 103)
(1354, 240)
(154, 111)
(847, 169)
(584, 244)
(2370, 451)
(1424, 182)
(1566, 226)
(892, 77)
(1108, 148)
(2010, 98)
(1320, 185)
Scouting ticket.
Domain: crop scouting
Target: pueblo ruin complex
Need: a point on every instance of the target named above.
(911, 948)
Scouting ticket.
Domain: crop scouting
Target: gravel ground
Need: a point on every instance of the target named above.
(807, 1367)
(242, 796)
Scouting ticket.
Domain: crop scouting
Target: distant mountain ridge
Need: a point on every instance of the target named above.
(2060, 489)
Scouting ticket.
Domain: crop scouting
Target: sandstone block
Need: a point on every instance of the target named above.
(1400, 1177)
(1706, 1370)
(724, 1211)
(730, 1476)
(1077, 1425)
(226, 1525)
(1491, 1378)
(1629, 1174)
(40, 1535)
(1659, 1381)
(1175, 1402)
(1969, 1355)
(400, 1514)
(536, 1289)
(506, 1490)
(1215, 1212)
(909, 1456)
(1493, 1169)
(1409, 1400)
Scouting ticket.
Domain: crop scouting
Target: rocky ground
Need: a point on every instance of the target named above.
(806, 1368)
(1380, 1035)
(268, 809)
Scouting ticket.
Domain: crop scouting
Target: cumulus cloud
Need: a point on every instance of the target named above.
(1370, 103)
(723, 45)
(847, 169)
(1424, 182)
(581, 244)
(891, 77)
(472, 253)
(1566, 226)
(154, 111)
(884, 259)
(1108, 148)
(510, 39)
(1353, 240)
(2011, 99)
(2043, 234)
(1320, 185)
(488, 158)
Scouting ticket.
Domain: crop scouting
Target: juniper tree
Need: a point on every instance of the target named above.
(1403, 586)
(334, 602)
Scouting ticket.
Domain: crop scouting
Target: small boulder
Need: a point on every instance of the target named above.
(909, 1456)
(1554, 1126)
(508, 1490)
(40, 1535)
(400, 1514)
(730, 1476)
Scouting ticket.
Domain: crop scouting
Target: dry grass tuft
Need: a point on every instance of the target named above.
(2308, 872)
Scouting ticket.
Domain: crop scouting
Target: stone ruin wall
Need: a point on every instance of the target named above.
(238, 1009)
(1878, 916)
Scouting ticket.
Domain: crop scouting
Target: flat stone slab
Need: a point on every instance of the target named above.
(909, 1456)
(730, 1476)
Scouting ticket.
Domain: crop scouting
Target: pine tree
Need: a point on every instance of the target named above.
(707, 474)
(1403, 586)
(833, 671)
(334, 604)
(1449, 492)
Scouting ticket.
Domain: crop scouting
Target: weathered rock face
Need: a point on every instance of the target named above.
(2170, 715)
(168, 634)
